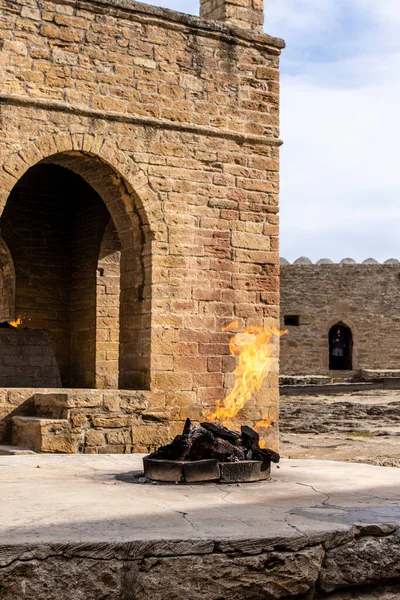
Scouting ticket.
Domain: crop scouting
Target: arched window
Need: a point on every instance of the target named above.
(340, 348)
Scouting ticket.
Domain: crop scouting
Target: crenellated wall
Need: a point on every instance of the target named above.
(364, 297)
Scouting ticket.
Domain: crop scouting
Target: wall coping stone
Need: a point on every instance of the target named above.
(172, 16)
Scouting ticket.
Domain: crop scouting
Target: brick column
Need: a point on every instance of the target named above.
(243, 13)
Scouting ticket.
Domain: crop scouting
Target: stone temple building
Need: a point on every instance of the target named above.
(361, 300)
(139, 168)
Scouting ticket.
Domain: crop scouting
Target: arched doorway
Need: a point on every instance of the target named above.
(340, 348)
(54, 223)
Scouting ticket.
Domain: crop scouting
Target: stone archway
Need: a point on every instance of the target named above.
(340, 347)
(351, 331)
(133, 208)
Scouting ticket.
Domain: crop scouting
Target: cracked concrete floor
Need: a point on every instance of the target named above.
(78, 498)
(357, 427)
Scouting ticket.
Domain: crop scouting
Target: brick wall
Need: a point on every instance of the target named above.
(107, 311)
(89, 222)
(27, 359)
(174, 122)
(364, 297)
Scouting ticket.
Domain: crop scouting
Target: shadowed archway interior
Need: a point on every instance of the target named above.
(340, 348)
(62, 239)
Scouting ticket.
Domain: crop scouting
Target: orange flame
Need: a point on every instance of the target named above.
(255, 356)
(232, 325)
(16, 323)
(263, 424)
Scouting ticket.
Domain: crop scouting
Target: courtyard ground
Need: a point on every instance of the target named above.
(317, 527)
(357, 427)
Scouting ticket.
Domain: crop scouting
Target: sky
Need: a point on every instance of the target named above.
(340, 123)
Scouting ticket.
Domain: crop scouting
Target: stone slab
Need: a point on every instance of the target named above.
(89, 492)
(81, 519)
(7, 450)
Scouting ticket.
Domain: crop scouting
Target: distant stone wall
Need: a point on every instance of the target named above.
(365, 297)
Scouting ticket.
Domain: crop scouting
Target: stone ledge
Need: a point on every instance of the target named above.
(199, 569)
(318, 527)
(174, 17)
(65, 107)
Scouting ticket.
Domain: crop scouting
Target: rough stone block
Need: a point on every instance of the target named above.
(51, 405)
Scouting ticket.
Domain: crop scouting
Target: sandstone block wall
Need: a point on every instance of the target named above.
(174, 122)
(365, 297)
(107, 309)
(82, 420)
(27, 359)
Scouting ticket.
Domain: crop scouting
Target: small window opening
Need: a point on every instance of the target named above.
(293, 320)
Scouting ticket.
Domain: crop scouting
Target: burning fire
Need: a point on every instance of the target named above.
(254, 351)
(263, 424)
(16, 323)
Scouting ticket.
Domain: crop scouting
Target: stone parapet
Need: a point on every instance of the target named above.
(304, 260)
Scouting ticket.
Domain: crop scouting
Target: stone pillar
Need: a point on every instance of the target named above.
(242, 13)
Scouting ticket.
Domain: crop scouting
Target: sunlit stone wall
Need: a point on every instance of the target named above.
(174, 122)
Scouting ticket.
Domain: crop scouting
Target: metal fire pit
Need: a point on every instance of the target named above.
(198, 471)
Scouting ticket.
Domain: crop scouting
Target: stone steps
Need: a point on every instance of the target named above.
(7, 450)
(85, 420)
(53, 405)
(43, 434)
(48, 429)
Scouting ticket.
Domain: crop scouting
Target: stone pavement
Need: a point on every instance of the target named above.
(76, 526)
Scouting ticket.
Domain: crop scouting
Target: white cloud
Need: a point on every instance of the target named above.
(285, 17)
(340, 191)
